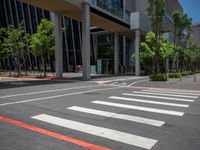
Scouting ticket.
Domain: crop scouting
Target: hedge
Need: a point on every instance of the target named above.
(159, 77)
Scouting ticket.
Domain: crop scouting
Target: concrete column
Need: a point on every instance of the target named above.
(58, 45)
(86, 40)
(124, 50)
(131, 52)
(137, 52)
(116, 53)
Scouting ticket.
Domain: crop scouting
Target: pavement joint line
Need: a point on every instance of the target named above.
(140, 108)
(47, 91)
(163, 94)
(53, 134)
(148, 101)
(115, 135)
(159, 97)
(56, 96)
(126, 117)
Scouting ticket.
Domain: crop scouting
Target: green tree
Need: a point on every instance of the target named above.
(156, 10)
(148, 50)
(13, 43)
(3, 53)
(182, 34)
(43, 41)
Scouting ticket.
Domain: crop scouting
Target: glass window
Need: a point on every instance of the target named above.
(105, 46)
(76, 35)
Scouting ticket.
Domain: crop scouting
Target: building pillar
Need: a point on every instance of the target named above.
(116, 53)
(124, 51)
(86, 40)
(58, 45)
(137, 52)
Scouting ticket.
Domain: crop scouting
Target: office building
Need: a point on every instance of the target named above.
(100, 35)
(196, 33)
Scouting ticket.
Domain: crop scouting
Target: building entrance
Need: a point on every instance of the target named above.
(105, 52)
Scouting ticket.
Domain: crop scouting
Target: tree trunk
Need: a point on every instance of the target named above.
(44, 65)
(157, 67)
(174, 53)
(51, 65)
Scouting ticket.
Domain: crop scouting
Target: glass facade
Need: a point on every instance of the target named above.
(115, 7)
(13, 12)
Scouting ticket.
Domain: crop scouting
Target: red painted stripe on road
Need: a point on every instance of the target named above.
(35, 77)
(54, 134)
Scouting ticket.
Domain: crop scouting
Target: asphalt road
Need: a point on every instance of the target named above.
(117, 114)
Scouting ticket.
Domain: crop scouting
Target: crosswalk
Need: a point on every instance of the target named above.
(154, 97)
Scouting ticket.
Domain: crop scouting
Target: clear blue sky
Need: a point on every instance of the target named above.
(192, 8)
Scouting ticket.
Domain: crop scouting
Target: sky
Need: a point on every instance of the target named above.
(192, 8)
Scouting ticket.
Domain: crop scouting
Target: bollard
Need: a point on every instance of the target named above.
(180, 80)
(195, 79)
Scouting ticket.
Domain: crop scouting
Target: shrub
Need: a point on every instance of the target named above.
(190, 73)
(159, 77)
(184, 73)
(174, 75)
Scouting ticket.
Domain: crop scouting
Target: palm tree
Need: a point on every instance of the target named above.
(182, 31)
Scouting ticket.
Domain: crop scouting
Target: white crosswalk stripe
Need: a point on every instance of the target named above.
(123, 137)
(154, 110)
(148, 101)
(159, 97)
(118, 116)
(171, 92)
(164, 94)
(115, 135)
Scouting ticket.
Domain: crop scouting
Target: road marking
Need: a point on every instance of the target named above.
(118, 116)
(148, 101)
(137, 82)
(162, 94)
(114, 80)
(154, 110)
(115, 135)
(175, 90)
(170, 92)
(160, 97)
(49, 91)
(54, 134)
(56, 96)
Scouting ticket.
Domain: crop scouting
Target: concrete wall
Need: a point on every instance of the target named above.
(196, 34)
(141, 6)
(172, 5)
(137, 6)
(130, 5)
